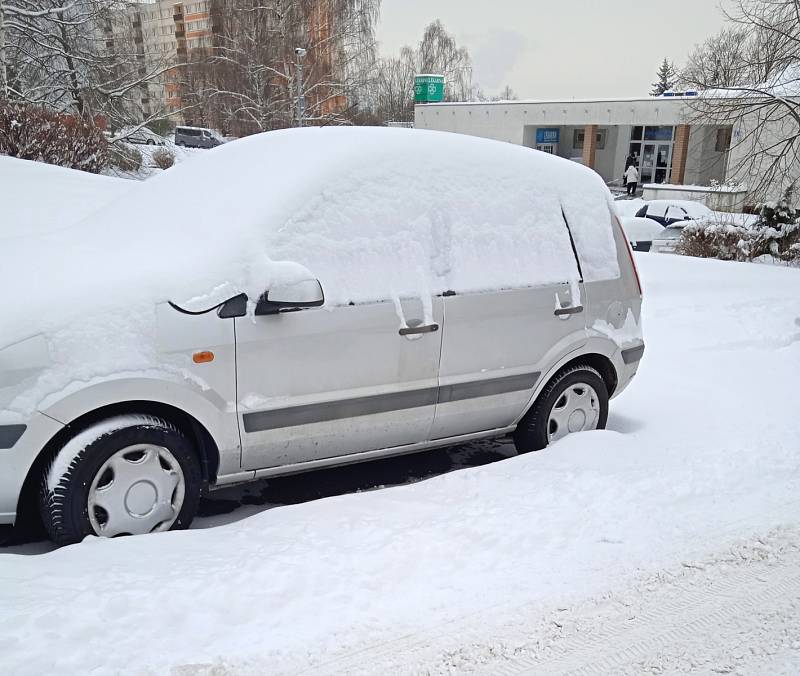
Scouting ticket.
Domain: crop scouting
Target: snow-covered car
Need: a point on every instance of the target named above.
(327, 296)
(667, 212)
(668, 240)
(641, 232)
(140, 136)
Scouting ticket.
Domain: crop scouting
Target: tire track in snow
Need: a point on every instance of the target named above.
(670, 623)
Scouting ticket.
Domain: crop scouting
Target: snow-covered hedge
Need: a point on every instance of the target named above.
(775, 235)
(34, 133)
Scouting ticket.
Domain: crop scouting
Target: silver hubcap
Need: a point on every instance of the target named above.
(139, 489)
(576, 410)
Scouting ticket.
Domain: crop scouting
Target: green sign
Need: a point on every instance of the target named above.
(428, 88)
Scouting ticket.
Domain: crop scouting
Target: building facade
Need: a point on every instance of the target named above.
(599, 133)
(160, 35)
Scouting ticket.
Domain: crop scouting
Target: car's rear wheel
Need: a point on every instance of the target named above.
(575, 400)
(128, 475)
(150, 142)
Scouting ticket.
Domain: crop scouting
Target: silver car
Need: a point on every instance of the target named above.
(115, 419)
(197, 137)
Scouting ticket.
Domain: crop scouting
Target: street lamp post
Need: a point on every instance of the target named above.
(301, 99)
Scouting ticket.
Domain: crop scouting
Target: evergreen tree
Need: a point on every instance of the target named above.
(666, 78)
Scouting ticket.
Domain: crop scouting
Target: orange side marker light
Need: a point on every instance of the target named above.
(202, 357)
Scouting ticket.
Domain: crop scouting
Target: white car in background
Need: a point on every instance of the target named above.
(140, 136)
(641, 232)
(667, 212)
(668, 240)
(306, 308)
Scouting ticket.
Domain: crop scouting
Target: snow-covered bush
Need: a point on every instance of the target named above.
(35, 133)
(775, 236)
(714, 238)
(124, 157)
(163, 158)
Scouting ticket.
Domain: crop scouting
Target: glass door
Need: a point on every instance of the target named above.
(663, 152)
(647, 170)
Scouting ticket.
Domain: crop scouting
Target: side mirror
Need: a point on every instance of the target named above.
(306, 293)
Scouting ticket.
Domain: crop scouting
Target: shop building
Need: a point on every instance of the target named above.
(600, 133)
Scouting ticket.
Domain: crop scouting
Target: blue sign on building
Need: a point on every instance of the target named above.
(547, 135)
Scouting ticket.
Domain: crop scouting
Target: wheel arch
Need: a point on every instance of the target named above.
(596, 359)
(193, 429)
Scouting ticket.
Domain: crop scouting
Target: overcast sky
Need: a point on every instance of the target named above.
(559, 48)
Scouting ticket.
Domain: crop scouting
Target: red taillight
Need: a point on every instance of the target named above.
(630, 255)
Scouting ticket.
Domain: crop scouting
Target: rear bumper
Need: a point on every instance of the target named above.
(626, 363)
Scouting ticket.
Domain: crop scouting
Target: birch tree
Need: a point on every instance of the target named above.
(437, 53)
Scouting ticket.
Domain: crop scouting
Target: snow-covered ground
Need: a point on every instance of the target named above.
(666, 544)
(149, 167)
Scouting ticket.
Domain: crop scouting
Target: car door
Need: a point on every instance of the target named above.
(325, 382)
(497, 345)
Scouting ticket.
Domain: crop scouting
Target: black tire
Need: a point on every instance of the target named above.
(64, 507)
(150, 142)
(532, 433)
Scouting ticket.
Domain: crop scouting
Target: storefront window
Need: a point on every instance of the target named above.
(658, 133)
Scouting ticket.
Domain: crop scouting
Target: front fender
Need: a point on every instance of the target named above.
(211, 410)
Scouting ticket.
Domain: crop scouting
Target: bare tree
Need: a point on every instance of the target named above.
(248, 82)
(437, 53)
(72, 56)
(749, 75)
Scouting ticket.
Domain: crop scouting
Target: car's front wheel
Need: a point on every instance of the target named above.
(575, 400)
(127, 475)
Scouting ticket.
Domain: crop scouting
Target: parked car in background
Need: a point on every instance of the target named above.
(140, 136)
(667, 212)
(197, 137)
(641, 232)
(668, 240)
(284, 320)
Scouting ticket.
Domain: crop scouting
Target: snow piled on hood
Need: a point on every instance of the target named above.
(36, 197)
(374, 213)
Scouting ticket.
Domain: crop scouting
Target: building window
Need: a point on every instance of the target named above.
(658, 133)
(578, 136)
(723, 143)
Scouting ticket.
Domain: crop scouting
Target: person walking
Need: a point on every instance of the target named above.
(632, 179)
(628, 162)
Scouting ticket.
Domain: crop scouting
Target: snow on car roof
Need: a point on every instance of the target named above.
(373, 213)
(691, 207)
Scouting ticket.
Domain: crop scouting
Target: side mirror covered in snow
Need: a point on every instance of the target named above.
(305, 293)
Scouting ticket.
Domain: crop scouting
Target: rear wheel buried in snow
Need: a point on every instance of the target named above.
(139, 477)
(575, 400)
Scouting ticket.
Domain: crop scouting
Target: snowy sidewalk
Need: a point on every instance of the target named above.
(736, 613)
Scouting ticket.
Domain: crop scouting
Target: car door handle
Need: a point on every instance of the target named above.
(560, 312)
(424, 328)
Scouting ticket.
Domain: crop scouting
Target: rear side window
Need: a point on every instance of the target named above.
(189, 132)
